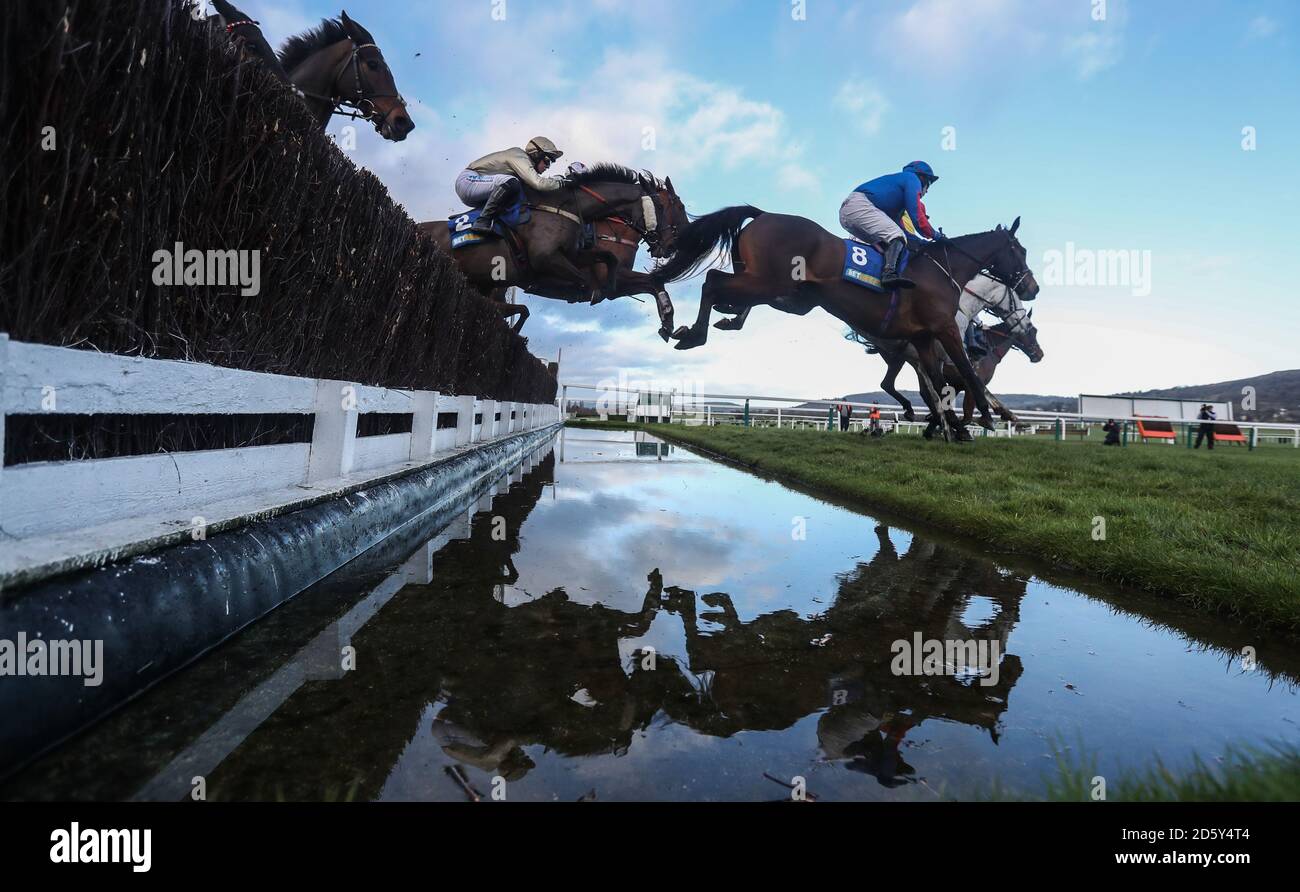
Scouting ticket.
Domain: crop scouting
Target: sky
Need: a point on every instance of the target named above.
(1163, 127)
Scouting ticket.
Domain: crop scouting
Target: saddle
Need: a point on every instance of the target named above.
(503, 227)
(976, 343)
(863, 264)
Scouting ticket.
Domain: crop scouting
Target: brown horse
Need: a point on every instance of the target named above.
(549, 260)
(1002, 339)
(792, 260)
(339, 71)
(620, 239)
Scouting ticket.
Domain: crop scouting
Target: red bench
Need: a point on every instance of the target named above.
(1155, 429)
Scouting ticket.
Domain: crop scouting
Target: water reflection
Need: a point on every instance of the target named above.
(640, 622)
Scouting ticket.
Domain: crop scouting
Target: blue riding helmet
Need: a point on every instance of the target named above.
(921, 169)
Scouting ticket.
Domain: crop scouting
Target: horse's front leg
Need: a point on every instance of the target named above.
(633, 282)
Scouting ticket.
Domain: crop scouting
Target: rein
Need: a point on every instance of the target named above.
(650, 233)
(1016, 317)
(981, 265)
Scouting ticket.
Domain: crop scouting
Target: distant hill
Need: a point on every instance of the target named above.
(1277, 395)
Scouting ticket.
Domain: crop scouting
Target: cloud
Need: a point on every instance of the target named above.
(950, 35)
(1102, 45)
(570, 326)
(1262, 27)
(635, 108)
(1095, 51)
(865, 103)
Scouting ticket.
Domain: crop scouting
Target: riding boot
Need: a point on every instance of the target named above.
(889, 279)
(498, 201)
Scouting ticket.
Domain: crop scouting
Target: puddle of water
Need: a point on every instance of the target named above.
(631, 621)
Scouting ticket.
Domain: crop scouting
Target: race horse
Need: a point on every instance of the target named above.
(981, 293)
(544, 255)
(779, 258)
(335, 68)
(339, 71)
(1002, 338)
(978, 295)
(620, 239)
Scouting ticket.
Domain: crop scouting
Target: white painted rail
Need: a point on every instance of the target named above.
(52, 512)
(785, 411)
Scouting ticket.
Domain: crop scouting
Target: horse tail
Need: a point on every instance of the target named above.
(702, 236)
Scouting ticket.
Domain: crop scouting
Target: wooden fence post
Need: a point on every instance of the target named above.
(334, 435)
(424, 424)
(464, 420)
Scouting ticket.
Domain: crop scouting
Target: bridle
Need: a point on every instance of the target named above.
(982, 265)
(1016, 317)
(649, 211)
(361, 105)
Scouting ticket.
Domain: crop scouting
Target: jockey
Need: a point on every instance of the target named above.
(878, 212)
(493, 181)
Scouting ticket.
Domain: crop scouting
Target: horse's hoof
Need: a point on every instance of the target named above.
(964, 436)
(665, 334)
(909, 415)
(988, 424)
(727, 325)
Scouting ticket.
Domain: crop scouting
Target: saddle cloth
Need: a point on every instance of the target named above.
(461, 237)
(863, 264)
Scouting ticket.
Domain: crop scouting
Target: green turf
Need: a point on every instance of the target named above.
(1219, 529)
(1268, 773)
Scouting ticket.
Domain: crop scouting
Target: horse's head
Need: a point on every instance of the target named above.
(1024, 336)
(367, 84)
(1010, 265)
(670, 215)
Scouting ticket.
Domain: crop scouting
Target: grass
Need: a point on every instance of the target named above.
(1220, 529)
(1240, 775)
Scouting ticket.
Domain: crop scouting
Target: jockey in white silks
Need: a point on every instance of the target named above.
(493, 181)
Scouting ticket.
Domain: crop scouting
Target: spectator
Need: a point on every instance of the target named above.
(1206, 430)
(1112, 429)
(874, 417)
(846, 413)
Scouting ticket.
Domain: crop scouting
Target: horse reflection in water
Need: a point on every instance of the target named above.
(510, 673)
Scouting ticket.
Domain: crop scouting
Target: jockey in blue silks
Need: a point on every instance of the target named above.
(883, 211)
